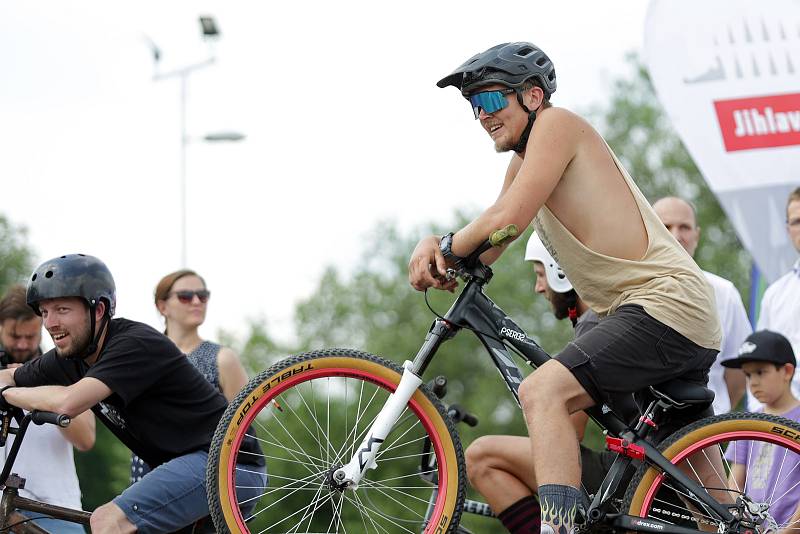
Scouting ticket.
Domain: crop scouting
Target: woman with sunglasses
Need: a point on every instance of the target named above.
(182, 300)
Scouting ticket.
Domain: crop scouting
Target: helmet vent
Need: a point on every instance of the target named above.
(33, 277)
(541, 61)
(524, 52)
(48, 274)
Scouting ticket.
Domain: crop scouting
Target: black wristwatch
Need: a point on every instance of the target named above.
(446, 245)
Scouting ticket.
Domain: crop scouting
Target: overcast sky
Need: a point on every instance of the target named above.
(345, 127)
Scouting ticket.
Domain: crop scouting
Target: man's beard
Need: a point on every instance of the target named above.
(22, 356)
(561, 302)
(80, 342)
(505, 146)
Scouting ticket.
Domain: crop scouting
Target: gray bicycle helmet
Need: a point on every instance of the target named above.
(72, 275)
(509, 64)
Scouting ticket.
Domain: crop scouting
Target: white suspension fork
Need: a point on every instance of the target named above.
(364, 458)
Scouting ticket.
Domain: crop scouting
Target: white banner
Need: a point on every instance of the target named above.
(728, 74)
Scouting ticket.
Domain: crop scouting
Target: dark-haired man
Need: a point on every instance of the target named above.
(46, 462)
(658, 311)
(140, 386)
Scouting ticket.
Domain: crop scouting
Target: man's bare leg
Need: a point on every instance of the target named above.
(548, 397)
(501, 469)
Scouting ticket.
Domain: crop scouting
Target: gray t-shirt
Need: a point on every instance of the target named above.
(586, 322)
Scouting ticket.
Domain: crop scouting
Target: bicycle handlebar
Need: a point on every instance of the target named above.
(471, 266)
(57, 419)
(497, 239)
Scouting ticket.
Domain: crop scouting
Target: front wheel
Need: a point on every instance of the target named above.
(750, 462)
(309, 414)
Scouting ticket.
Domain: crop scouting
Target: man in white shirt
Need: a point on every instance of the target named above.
(680, 218)
(780, 306)
(46, 457)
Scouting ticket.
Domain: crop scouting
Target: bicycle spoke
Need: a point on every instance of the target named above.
(357, 436)
(316, 437)
(361, 511)
(315, 424)
(388, 519)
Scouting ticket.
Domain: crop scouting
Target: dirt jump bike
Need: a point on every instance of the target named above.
(342, 430)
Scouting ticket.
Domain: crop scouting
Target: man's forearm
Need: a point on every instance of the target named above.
(7, 377)
(46, 398)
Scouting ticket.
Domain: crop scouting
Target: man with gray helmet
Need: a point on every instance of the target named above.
(137, 383)
(658, 311)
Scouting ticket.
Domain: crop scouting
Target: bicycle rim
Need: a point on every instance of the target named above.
(310, 414)
(751, 458)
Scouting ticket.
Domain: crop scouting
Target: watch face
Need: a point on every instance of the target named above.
(445, 243)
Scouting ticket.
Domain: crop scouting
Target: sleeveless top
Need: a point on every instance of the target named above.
(666, 282)
(204, 358)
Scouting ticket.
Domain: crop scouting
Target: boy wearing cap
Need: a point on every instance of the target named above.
(768, 362)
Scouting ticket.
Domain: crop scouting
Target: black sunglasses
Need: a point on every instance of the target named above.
(186, 297)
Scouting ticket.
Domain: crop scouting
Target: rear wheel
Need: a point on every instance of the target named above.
(752, 459)
(310, 414)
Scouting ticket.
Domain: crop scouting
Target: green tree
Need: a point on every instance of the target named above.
(16, 258)
(259, 350)
(104, 471)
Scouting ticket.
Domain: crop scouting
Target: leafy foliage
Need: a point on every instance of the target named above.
(16, 258)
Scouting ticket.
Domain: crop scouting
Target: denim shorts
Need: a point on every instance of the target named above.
(173, 495)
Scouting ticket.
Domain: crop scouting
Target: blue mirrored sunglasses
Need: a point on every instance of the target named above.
(489, 101)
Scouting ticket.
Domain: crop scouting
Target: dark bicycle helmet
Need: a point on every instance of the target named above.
(76, 275)
(509, 64)
(72, 275)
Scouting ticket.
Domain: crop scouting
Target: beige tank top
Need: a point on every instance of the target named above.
(666, 282)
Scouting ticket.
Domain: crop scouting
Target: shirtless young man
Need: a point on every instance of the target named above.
(660, 320)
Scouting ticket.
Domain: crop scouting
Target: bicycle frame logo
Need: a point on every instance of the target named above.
(507, 332)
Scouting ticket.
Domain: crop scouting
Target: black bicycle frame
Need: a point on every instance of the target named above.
(474, 310)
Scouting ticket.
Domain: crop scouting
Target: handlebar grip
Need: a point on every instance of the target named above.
(470, 419)
(460, 415)
(499, 237)
(57, 419)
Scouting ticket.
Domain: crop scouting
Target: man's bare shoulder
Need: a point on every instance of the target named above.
(555, 117)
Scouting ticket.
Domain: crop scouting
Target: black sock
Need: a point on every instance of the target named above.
(559, 508)
(522, 517)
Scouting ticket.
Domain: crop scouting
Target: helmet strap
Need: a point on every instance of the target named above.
(92, 348)
(519, 148)
(572, 308)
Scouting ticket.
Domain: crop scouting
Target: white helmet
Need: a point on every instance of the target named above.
(556, 278)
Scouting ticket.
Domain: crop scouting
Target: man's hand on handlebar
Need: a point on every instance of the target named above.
(428, 268)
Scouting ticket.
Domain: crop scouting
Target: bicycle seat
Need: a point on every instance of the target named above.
(681, 394)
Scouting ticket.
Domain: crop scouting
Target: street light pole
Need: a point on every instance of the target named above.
(183, 74)
(210, 33)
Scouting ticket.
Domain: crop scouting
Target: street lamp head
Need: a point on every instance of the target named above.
(209, 27)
